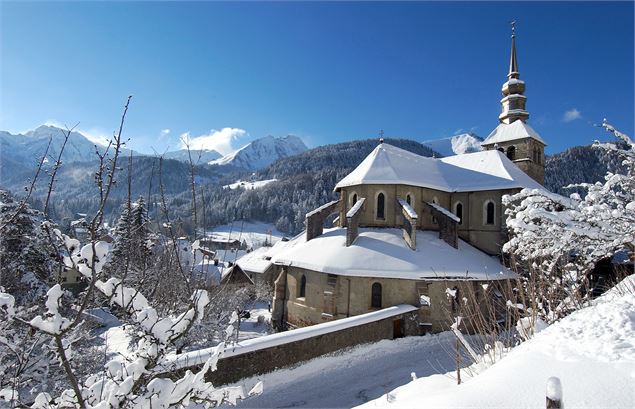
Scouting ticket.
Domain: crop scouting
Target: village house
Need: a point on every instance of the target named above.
(412, 229)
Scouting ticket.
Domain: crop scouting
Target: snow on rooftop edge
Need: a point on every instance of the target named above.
(383, 253)
(199, 357)
(514, 131)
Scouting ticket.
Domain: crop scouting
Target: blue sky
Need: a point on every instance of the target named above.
(227, 73)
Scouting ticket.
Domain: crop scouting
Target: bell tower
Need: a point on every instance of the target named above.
(513, 102)
(513, 136)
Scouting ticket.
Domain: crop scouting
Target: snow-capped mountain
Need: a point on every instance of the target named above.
(198, 156)
(263, 152)
(455, 145)
(32, 144)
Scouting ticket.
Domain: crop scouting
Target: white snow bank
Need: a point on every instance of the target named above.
(592, 352)
(281, 338)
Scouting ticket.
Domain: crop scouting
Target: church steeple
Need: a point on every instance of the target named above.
(513, 102)
(513, 63)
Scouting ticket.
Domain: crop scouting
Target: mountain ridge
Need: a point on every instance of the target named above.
(261, 152)
(455, 145)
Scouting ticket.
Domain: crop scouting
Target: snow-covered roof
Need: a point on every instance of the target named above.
(384, 253)
(259, 260)
(511, 132)
(255, 261)
(486, 170)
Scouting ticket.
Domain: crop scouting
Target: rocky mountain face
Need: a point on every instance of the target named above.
(20, 153)
(262, 152)
(198, 156)
(455, 145)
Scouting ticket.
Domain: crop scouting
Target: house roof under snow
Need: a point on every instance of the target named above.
(470, 172)
(259, 260)
(255, 261)
(383, 253)
(511, 132)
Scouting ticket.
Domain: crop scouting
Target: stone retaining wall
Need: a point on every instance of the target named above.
(233, 368)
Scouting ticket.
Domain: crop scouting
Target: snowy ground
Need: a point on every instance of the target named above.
(353, 376)
(592, 352)
(250, 327)
(254, 233)
(249, 185)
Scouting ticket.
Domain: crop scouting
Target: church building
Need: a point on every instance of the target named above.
(409, 228)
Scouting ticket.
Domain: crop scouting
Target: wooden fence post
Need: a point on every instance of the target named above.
(554, 393)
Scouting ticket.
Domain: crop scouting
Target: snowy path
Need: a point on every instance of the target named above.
(353, 376)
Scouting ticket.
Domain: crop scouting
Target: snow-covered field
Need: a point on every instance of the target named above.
(353, 376)
(592, 352)
(254, 233)
(248, 185)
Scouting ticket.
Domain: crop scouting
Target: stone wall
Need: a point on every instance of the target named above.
(314, 222)
(352, 220)
(350, 296)
(473, 229)
(524, 156)
(409, 224)
(233, 368)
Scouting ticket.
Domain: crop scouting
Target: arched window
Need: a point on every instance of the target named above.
(500, 149)
(381, 204)
(537, 156)
(511, 152)
(489, 212)
(409, 199)
(303, 287)
(353, 199)
(458, 211)
(375, 298)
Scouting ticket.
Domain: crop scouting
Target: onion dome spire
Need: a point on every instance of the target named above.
(513, 102)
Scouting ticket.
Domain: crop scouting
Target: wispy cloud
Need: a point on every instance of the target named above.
(223, 140)
(165, 132)
(571, 115)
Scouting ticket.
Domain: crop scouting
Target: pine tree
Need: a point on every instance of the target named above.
(24, 261)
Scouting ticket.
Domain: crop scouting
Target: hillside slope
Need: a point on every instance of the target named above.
(591, 351)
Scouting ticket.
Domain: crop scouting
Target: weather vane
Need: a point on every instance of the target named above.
(513, 24)
(381, 136)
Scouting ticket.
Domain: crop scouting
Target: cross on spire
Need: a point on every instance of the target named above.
(381, 136)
